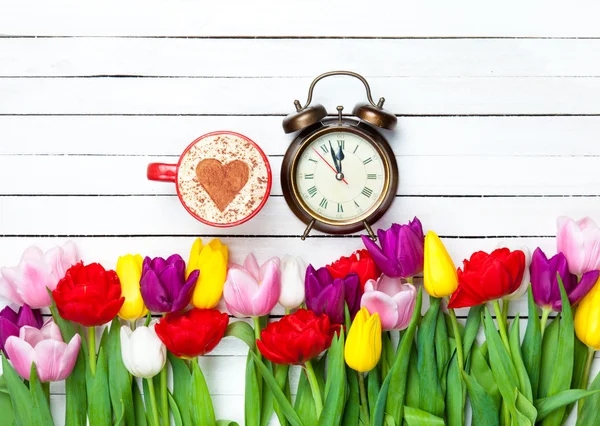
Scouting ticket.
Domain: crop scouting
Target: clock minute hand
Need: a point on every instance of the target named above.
(338, 166)
(340, 156)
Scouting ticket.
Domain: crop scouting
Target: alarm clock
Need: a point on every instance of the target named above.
(339, 175)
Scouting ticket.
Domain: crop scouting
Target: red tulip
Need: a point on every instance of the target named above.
(192, 333)
(88, 295)
(360, 263)
(488, 277)
(296, 338)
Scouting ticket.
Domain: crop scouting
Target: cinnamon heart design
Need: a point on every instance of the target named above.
(221, 181)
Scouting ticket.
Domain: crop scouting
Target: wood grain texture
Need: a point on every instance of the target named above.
(498, 108)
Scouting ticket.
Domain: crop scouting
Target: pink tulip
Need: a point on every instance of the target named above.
(393, 300)
(53, 358)
(27, 283)
(580, 243)
(250, 290)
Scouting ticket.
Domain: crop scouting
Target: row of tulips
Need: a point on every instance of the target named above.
(354, 326)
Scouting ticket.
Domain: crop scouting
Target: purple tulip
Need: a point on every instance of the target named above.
(401, 251)
(11, 322)
(163, 284)
(544, 281)
(327, 295)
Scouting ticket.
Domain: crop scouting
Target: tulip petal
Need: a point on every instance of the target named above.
(238, 292)
(31, 335)
(384, 305)
(185, 293)
(571, 242)
(389, 286)
(7, 329)
(21, 355)
(405, 300)
(386, 265)
(582, 288)
(69, 357)
(51, 331)
(125, 334)
(269, 289)
(48, 357)
(8, 286)
(251, 265)
(154, 294)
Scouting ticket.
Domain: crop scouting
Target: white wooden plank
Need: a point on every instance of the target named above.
(308, 18)
(157, 215)
(107, 175)
(409, 95)
(235, 57)
(418, 136)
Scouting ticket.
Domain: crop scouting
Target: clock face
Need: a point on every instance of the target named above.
(340, 176)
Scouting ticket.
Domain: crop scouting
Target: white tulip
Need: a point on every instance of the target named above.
(144, 354)
(293, 270)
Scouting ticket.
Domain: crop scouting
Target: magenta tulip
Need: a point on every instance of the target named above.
(53, 358)
(393, 300)
(250, 290)
(11, 322)
(37, 271)
(579, 241)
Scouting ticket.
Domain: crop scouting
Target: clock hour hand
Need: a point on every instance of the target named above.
(338, 166)
(340, 156)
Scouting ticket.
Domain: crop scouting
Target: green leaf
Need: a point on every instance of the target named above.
(412, 382)
(305, 404)
(335, 386)
(252, 399)
(266, 405)
(397, 392)
(590, 411)
(6, 408)
(483, 406)
(119, 379)
(431, 398)
(378, 414)
(416, 417)
(442, 349)
(545, 406)
(282, 379)
(373, 387)
(243, 331)
(482, 373)
(278, 394)
(99, 404)
(19, 394)
(181, 387)
(174, 408)
(561, 380)
(472, 327)
(532, 344)
(579, 362)
(202, 409)
(138, 405)
(40, 406)
(454, 394)
(515, 353)
(526, 412)
(352, 409)
(227, 423)
(548, 362)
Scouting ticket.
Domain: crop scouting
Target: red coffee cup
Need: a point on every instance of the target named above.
(222, 178)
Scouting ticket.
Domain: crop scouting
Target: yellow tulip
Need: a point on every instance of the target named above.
(587, 318)
(363, 344)
(129, 270)
(211, 260)
(439, 273)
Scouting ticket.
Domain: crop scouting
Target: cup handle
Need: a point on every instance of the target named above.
(162, 172)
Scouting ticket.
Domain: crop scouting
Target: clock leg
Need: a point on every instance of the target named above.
(308, 228)
(370, 231)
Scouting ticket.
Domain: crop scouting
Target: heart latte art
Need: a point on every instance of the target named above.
(223, 179)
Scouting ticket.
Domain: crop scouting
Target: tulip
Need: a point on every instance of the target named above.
(292, 282)
(324, 294)
(522, 289)
(28, 283)
(488, 277)
(401, 251)
(250, 290)
(544, 281)
(88, 295)
(361, 263)
(143, 353)
(11, 322)
(392, 300)
(439, 273)
(363, 345)
(53, 358)
(587, 318)
(296, 338)
(163, 285)
(129, 270)
(579, 241)
(211, 261)
(192, 333)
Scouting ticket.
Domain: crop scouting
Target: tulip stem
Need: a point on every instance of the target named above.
(164, 397)
(505, 304)
(585, 378)
(153, 402)
(314, 386)
(92, 349)
(545, 313)
(501, 324)
(46, 388)
(364, 401)
(458, 339)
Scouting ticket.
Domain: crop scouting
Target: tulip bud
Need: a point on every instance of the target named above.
(439, 273)
(292, 282)
(587, 318)
(363, 344)
(579, 242)
(144, 354)
(129, 270)
(211, 260)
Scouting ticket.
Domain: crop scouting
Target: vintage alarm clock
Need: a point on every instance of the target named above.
(339, 174)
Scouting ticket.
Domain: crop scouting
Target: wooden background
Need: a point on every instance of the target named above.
(498, 108)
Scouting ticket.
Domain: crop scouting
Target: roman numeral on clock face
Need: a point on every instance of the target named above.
(312, 191)
(371, 176)
(323, 203)
(368, 160)
(340, 208)
(324, 148)
(309, 176)
(341, 143)
(367, 192)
